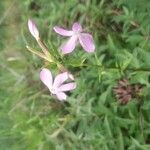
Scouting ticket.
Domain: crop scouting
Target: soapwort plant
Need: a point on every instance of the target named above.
(59, 88)
(77, 35)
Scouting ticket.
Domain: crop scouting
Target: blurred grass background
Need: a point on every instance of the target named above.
(92, 119)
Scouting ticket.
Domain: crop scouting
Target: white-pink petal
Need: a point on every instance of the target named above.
(60, 78)
(46, 77)
(67, 87)
(86, 41)
(77, 27)
(33, 29)
(62, 31)
(69, 46)
(61, 96)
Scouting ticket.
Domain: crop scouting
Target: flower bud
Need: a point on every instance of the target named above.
(33, 29)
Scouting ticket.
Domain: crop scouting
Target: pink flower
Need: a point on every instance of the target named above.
(33, 29)
(57, 87)
(76, 36)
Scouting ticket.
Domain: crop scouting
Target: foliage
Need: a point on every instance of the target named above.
(92, 118)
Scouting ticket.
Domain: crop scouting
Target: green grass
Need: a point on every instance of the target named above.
(92, 118)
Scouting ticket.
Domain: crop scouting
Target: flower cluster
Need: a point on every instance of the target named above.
(57, 87)
(125, 91)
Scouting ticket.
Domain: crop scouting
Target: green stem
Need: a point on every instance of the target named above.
(114, 68)
(61, 67)
(45, 50)
(49, 57)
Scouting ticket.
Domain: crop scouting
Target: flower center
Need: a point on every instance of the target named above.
(76, 32)
(53, 91)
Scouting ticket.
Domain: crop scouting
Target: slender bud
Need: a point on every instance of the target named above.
(33, 29)
(70, 76)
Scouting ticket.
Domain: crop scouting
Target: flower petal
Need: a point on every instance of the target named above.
(86, 41)
(33, 29)
(46, 77)
(67, 87)
(60, 79)
(69, 46)
(77, 27)
(62, 31)
(61, 96)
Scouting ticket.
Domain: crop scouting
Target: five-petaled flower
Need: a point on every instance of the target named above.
(57, 87)
(76, 36)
